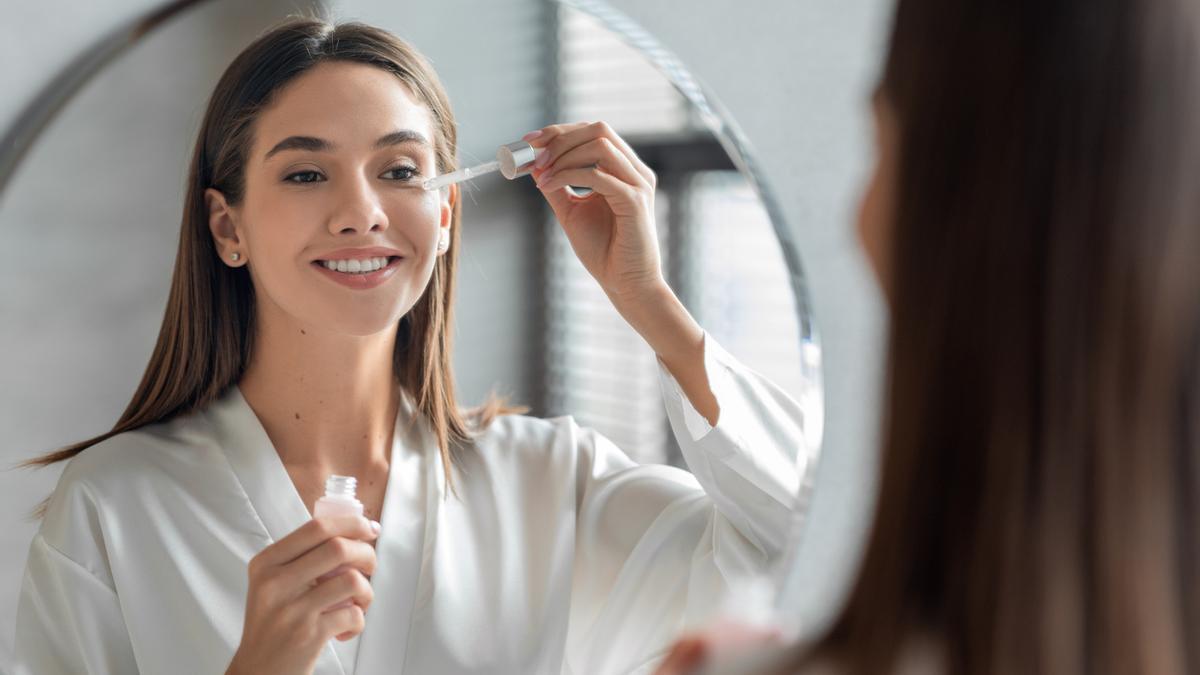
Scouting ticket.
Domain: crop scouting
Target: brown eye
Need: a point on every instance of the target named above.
(404, 172)
(309, 177)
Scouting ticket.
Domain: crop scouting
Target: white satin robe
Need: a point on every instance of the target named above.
(559, 555)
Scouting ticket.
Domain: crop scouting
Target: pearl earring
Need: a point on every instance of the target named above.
(235, 256)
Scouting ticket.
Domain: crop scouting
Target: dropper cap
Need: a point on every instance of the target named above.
(513, 160)
(516, 159)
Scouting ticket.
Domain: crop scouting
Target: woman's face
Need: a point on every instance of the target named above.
(336, 163)
(877, 210)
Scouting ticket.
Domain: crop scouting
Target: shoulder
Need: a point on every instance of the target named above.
(126, 474)
(521, 438)
(525, 427)
(540, 444)
(156, 451)
(553, 448)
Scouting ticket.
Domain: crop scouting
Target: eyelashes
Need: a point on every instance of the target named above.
(291, 178)
(411, 171)
(409, 174)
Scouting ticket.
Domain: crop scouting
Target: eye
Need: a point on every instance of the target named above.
(405, 172)
(309, 177)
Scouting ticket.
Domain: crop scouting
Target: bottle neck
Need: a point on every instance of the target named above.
(341, 488)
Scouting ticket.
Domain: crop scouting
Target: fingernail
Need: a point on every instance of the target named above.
(542, 160)
(375, 527)
(531, 135)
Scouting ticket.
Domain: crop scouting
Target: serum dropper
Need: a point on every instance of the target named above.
(513, 160)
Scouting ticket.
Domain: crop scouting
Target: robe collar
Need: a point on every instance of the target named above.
(414, 487)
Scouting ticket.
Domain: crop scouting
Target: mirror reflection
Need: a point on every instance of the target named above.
(266, 377)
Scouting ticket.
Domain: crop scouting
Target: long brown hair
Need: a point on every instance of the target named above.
(207, 334)
(1041, 431)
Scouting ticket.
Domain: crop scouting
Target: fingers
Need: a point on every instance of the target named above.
(344, 623)
(310, 535)
(595, 178)
(335, 552)
(558, 139)
(600, 152)
(547, 134)
(685, 656)
(350, 585)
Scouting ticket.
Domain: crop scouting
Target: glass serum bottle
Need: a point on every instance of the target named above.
(339, 500)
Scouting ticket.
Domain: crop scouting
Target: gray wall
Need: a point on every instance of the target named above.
(793, 74)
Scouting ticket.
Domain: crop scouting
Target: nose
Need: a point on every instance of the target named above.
(358, 209)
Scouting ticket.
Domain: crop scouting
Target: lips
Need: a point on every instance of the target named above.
(360, 253)
(355, 265)
(360, 280)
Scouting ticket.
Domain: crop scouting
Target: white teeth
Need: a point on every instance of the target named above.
(356, 266)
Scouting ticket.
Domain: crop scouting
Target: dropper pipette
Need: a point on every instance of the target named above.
(461, 175)
(513, 160)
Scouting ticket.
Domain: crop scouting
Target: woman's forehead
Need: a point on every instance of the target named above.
(351, 105)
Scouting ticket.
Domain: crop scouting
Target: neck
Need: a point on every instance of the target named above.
(327, 401)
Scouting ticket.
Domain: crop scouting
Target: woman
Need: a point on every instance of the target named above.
(1034, 220)
(182, 539)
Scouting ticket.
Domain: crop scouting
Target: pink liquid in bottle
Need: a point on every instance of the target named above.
(339, 500)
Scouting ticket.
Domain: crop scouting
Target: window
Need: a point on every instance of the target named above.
(719, 252)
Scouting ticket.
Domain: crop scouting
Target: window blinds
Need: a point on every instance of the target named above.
(716, 238)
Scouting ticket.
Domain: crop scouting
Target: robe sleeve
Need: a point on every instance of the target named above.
(68, 620)
(658, 548)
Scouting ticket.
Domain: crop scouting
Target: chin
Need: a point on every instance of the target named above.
(365, 326)
(350, 320)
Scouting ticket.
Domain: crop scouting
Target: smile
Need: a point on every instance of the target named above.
(359, 274)
(357, 266)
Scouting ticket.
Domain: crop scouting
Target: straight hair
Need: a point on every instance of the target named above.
(1041, 423)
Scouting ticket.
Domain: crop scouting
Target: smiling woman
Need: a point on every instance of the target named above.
(226, 149)
(341, 185)
(308, 333)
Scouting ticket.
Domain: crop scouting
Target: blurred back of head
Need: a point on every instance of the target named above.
(1042, 415)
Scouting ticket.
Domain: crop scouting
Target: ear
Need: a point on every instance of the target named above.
(449, 199)
(226, 233)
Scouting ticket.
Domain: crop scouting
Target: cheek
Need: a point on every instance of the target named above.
(276, 228)
(418, 214)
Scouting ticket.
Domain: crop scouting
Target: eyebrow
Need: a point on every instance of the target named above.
(314, 144)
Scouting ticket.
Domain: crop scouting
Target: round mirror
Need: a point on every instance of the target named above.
(91, 211)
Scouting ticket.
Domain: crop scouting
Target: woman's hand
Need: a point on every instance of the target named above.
(288, 616)
(612, 232)
(692, 652)
(612, 229)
